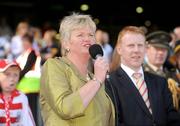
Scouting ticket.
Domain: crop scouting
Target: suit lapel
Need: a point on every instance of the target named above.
(151, 92)
(128, 84)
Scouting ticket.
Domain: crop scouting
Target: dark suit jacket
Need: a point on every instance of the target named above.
(130, 107)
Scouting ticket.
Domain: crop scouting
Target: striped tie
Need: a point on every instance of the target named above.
(141, 85)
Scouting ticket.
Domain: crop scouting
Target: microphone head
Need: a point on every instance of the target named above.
(95, 50)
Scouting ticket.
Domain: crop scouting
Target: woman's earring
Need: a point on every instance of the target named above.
(67, 50)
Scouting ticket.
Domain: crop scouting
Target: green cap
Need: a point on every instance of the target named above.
(159, 39)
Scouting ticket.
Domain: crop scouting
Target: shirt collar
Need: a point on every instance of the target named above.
(14, 93)
(130, 71)
(154, 67)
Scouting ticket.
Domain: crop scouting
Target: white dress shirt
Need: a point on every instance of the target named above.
(130, 72)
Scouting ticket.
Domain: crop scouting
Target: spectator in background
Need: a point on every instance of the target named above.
(50, 47)
(4, 47)
(157, 54)
(5, 35)
(102, 38)
(16, 42)
(37, 35)
(107, 48)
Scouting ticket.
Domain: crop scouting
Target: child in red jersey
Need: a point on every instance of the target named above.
(14, 106)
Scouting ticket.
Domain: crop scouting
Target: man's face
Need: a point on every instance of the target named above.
(156, 55)
(132, 50)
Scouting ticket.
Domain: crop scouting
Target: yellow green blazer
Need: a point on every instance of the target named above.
(61, 104)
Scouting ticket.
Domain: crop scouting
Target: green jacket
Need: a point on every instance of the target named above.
(61, 103)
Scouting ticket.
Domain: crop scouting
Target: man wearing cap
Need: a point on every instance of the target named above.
(157, 53)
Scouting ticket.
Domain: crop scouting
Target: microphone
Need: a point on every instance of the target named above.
(96, 51)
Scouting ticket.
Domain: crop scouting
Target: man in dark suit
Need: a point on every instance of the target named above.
(142, 100)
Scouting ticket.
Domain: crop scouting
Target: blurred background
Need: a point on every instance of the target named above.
(111, 15)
